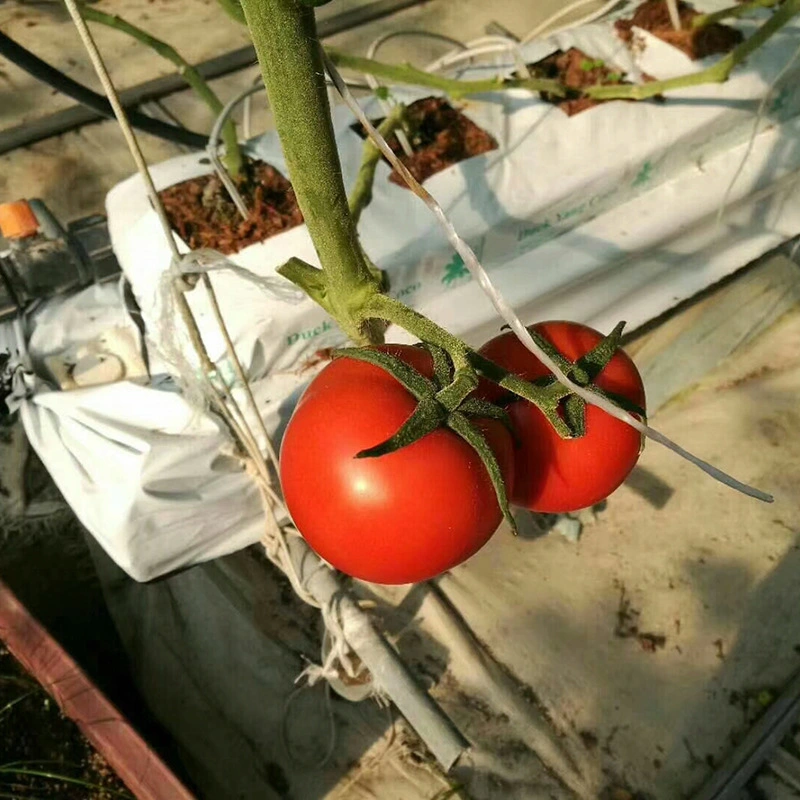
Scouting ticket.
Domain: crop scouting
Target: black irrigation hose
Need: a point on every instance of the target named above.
(42, 71)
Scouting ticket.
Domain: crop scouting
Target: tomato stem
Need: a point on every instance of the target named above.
(457, 89)
(286, 42)
(393, 311)
(463, 384)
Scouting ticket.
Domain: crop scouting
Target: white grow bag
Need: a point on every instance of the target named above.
(604, 216)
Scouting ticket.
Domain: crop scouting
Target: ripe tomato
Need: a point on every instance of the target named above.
(556, 475)
(398, 518)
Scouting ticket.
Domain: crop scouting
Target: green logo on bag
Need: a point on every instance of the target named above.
(410, 289)
(454, 270)
(309, 334)
(779, 103)
(644, 176)
(532, 230)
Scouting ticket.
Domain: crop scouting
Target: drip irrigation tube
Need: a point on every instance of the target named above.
(74, 117)
(48, 74)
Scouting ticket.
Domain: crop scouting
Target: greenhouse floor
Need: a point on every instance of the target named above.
(632, 660)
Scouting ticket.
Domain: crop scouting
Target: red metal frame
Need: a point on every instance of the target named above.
(142, 771)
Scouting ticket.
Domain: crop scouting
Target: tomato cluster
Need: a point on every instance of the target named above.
(411, 514)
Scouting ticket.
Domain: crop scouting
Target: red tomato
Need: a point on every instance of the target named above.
(556, 475)
(398, 518)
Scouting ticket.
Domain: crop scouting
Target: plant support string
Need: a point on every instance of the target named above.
(510, 316)
(314, 581)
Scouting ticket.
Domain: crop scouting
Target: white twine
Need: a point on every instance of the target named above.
(451, 59)
(374, 84)
(762, 108)
(486, 45)
(337, 651)
(565, 11)
(509, 315)
(122, 119)
(206, 260)
(198, 386)
(674, 14)
(332, 735)
(212, 148)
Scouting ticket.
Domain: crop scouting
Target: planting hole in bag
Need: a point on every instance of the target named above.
(440, 137)
(576, 70)
(202, 213)
(696, 42)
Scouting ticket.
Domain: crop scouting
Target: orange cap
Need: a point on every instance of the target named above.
(17, 220)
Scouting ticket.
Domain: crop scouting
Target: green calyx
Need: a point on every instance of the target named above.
(565, 411)
(443, 402)
(447, 401)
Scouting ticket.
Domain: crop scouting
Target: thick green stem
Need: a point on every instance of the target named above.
(233, 9)
(285, 38)
(361, 195)
(703, 20)
(284, 35)
(383, 307)
(717, 73)
(466, 360)
(406, 74)
(233, 153)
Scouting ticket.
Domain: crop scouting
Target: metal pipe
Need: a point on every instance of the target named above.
(389, 674)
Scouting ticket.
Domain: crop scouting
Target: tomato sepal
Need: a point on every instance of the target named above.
(545, 393)
(620, 401)
(458, 390)
(551, 350)
(458, 423)
(474, 407)
(595, 361)
(442, 366)
(427, 417)
(575, 415)
(438, 408)
(564, 410)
